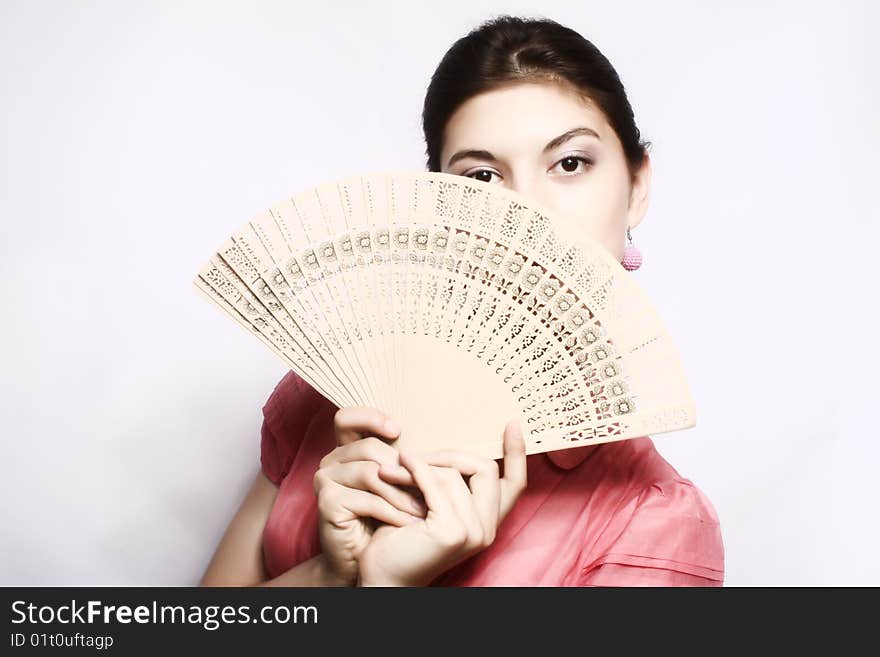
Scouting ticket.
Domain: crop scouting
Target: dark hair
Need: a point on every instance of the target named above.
(509, 49)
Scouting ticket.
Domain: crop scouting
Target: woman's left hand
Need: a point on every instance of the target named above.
(462, 518)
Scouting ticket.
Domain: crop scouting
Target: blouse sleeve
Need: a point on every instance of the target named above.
(673, 539)
(286, 415)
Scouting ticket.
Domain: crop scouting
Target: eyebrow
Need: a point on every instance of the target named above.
(553, 143)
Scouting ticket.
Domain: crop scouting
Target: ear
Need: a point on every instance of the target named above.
(639, 194)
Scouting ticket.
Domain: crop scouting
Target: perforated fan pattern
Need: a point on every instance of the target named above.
(453, 305)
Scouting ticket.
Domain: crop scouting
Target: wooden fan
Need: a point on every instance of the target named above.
(454, 305)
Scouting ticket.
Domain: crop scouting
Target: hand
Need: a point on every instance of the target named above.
(350, 491)
(462, 518)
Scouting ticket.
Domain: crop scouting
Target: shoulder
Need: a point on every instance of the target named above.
(287, 414)
(657, 479)
(680, 498)
(662, 490)
(288, 396)
(666, 522)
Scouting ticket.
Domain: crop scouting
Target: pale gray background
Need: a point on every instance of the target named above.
(134, 137)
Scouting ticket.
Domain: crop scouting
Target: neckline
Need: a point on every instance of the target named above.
(572, 457)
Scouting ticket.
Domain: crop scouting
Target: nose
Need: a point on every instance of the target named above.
(523, 184)
(530, 187)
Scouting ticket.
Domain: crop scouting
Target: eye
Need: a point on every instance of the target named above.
(571, 163)
(486, 175)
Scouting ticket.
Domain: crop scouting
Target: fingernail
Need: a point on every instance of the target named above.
(413, 518)
(392, 427)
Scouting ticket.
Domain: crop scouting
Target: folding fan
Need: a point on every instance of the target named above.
(454, 305)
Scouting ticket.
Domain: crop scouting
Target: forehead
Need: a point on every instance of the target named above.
(521, 116)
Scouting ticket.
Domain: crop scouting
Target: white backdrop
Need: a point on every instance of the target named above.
(134, 137)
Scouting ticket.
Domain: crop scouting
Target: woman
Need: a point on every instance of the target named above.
(532, 105)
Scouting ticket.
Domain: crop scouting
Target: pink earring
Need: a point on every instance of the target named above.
(632, 257)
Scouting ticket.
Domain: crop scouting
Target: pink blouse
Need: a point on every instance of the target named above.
(615, 514)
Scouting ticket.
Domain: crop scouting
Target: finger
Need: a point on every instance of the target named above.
(465, 462)
(411, 487)
(396, 474)
(354, 422)
(485, 485)
(337, 503)
(428, 484)
(462, 502)
(364, 475)
(365, 449)
(514, 481)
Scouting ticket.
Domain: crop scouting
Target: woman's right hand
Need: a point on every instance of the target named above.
(351, 493)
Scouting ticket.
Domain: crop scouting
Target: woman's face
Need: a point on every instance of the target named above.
(516, 136)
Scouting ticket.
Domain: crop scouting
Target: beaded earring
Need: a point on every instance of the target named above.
(632, 257)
